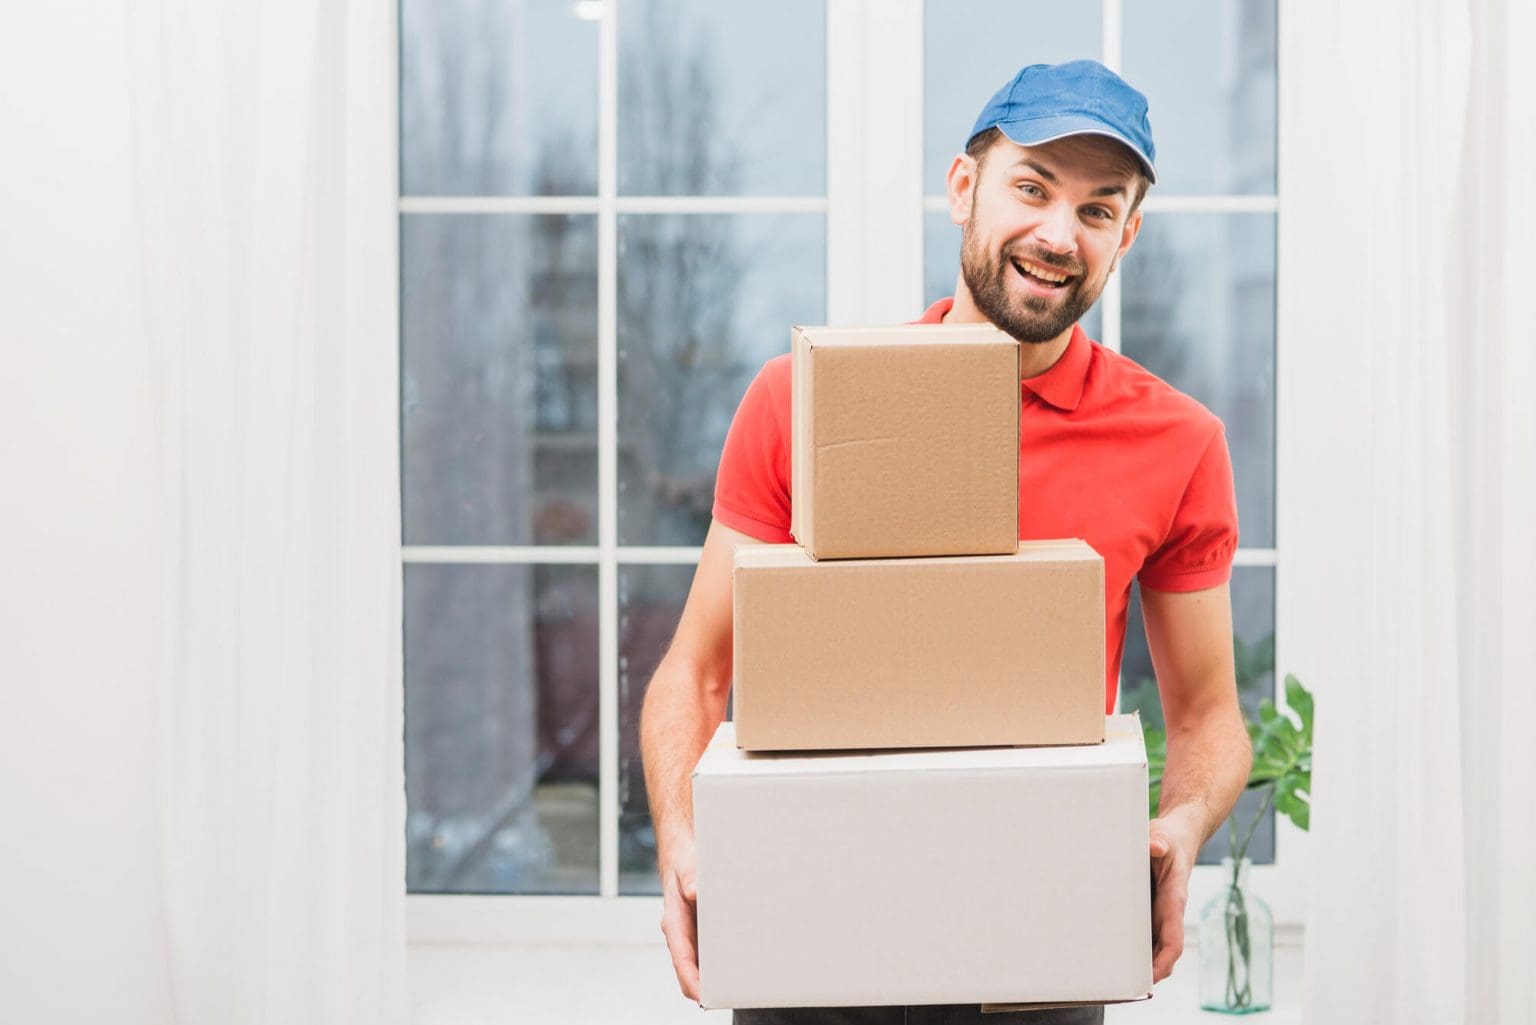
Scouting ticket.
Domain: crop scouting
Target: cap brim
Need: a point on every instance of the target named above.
(1038, 131)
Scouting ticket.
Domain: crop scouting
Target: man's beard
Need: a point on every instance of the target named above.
(1029, 318)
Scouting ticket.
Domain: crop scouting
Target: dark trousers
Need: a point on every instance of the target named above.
(928, 1014)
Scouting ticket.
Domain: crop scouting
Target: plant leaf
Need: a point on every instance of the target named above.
(1292, 801)
(1157, 759)
(1282, 752)
(1300, 701)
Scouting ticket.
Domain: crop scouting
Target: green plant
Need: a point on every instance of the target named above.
(1282, 770)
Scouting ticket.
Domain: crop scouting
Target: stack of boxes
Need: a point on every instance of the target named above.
(920, 799)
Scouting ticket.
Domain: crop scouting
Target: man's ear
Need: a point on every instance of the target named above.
(1127, 238)
(961, 186)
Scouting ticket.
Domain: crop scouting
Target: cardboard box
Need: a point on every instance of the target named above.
(935, 652)
(990, 875)
(905, 441)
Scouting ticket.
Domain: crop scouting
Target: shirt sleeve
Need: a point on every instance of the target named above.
(752, 484)
(1202, 539)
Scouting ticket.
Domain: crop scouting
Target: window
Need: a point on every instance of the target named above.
(611, 212)
(609, 220)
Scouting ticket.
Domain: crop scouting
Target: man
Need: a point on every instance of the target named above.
(1047, 192)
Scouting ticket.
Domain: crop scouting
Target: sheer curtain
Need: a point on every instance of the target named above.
(1494, 434)
(1405, 308)
(265, 185)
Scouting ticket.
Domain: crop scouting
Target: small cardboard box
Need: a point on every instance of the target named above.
(989, 875)
(905, 441)
(935, 652)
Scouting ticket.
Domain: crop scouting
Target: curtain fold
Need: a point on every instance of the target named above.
(265, 178)
(1405, 320)
(1495, 432)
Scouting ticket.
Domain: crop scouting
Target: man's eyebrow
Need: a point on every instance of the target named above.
(1045, 172)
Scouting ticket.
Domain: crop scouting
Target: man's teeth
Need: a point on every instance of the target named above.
(1042, 273)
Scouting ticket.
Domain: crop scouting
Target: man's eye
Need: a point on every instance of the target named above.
(1031, 190)
(1100, 213)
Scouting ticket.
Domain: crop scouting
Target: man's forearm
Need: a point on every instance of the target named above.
(683, 706)
(1207, 768)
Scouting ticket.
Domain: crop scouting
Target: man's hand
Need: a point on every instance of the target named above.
(683, 705)
(1174, 843)
(1190, 638)
(679, 915)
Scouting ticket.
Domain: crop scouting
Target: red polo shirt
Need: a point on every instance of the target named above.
(1107, 452)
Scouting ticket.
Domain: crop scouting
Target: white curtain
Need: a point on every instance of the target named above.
(1493, 340)
(1409, 560)
(265, 182)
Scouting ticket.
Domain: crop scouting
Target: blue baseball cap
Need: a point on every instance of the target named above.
(1044, 102)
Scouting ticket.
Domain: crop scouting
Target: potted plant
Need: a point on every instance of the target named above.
(1236, 928)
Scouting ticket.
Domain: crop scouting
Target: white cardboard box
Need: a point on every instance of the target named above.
(976, 875)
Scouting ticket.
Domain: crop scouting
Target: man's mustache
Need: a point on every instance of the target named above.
(1046, 259)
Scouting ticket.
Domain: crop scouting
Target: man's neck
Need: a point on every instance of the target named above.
(1035, 358)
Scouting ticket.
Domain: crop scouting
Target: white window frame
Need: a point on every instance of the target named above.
(874, 208)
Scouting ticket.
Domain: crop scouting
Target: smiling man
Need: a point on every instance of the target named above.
(1047, 193)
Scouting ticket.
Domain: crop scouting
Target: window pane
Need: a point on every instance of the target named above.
(1199, 311)
(497, 97)
(499, 379)
(501, 729)
(941, 267)
(650, 601)
(722, 99)
(704, 301)
(972, 47)
(1208, 68)
(1253, 628)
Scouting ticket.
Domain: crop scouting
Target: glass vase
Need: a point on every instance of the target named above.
(1237, 934)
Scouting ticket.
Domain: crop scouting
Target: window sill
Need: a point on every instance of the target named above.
(629, 981)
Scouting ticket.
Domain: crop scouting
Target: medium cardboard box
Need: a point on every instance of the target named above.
(905, 441)
(935, 652)
(983, 875)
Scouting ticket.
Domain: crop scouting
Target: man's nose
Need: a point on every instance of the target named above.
(1057, 230)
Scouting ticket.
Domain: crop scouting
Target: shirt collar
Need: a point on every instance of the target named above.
(1060, 386)
(935, 314)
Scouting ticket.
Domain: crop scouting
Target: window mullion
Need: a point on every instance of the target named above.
(1109, 300)
(1111, 35)
(607, 454)
(874, 161)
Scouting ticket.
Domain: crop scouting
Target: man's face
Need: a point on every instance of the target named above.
(1046, 225)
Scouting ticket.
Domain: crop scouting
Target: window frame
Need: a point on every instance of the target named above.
(874, 207)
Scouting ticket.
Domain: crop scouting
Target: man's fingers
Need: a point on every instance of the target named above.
(1172, 859)
(1168, 928)
(1170, 944)
(689, 887)
(679, 925)
(682, 945)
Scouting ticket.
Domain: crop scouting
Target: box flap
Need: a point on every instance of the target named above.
(793, 555)
(916, 334)
(1123, 745)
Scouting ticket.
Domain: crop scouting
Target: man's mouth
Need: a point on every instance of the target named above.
(1043, 278)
